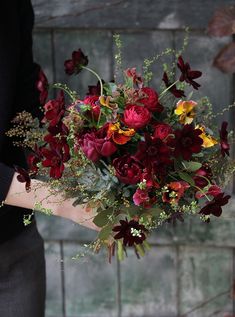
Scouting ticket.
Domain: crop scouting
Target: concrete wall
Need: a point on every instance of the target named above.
(190, 269)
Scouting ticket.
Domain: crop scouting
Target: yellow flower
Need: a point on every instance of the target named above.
(208, 140)
(185, 109)
(119, 135)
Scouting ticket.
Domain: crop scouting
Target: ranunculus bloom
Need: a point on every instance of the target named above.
(74, 65)
(128, 169)
(187, 141)
(94, 112)
(224, 145)
(174, 191)
(97, 144)
(54, 109)
(214, 207)
(185, 111)
(136, 117)
(42, 86)
(131, 232)
(187, 74)
(55, 157)
(178, 93)
(162, 131)
(151, 100)
(137, 79)
(202, 176)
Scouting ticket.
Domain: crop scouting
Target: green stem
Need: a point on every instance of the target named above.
(65, 89)
(97, 76)
(164, 91)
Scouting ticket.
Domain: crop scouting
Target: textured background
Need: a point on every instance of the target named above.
(190, 269)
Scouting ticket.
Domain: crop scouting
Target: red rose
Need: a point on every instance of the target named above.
(95, 108)
(136, 117)
(128, 169)
(151, 100)
(162, 131)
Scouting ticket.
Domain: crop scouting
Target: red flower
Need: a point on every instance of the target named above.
(128, 169)
(224, 145)
(202, 176)
(214, 207)
(55, 157)
(174, 191)
(178, 93)
(214, 190)
(33, 159)
(131, 232)
(55, 109)
(94, 112)
(97, 144)
(187, 141)
(141, 198)
(187, 74)
(162, 131)
(151, 100)
(75, 65)
(136, 117)
(137, 79)
(42, 86)
(23, 177)
(94, 90)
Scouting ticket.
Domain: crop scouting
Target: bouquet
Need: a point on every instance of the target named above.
(140, 157)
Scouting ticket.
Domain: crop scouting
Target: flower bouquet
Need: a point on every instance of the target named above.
(139, 157)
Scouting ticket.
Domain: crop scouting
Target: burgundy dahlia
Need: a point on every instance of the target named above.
(128, 169)
(187, 141)
(214, 207)
(178, 93)
(75, 65)
(224, 145)
(131, 232)
(187, 74)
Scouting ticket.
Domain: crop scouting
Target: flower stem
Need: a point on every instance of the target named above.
(66, 89)
(97, 76)
(164, 91)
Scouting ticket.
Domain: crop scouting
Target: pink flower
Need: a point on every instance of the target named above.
(136, 117)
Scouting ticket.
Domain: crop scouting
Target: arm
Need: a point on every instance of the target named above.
(17, 196)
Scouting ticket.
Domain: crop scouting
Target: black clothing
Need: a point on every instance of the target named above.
(18, 75)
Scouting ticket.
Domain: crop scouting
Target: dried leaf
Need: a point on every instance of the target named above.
(225, 60)
(223, 22)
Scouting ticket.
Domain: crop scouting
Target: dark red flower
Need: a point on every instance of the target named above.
(94, 112)
(131, 232)
(224, 145)
(94, 90)
(174, 191)
(136, 117)
(142, 197)
(42, 86)
(151, 100)
(23, 177)
(75, 65)
(97, 144)
(202, 176)
(178, 93)
(162, 131)
(33, 159)
(54, 110)
(214, 190)
(214, 207)
(187, 141)
(55, 157)
(128, 169)
(187, 74)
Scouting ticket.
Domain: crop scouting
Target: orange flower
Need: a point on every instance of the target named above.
(119, 135)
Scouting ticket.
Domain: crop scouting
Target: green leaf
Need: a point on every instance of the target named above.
(110, 88)
(187, 178)
(105, 232)
(140, 249)
(191, 166)
(146, 245)
(102, 218)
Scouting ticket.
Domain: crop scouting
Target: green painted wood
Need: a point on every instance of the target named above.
(205, 276)
(54, 286)
(90, 284)
(124, 14)
(149, 285)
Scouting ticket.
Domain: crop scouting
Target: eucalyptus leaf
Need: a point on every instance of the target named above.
(105, 232)
(102, 218)
(187, 178)
(191, 166)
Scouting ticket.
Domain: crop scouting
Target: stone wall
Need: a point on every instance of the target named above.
(190, 269)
